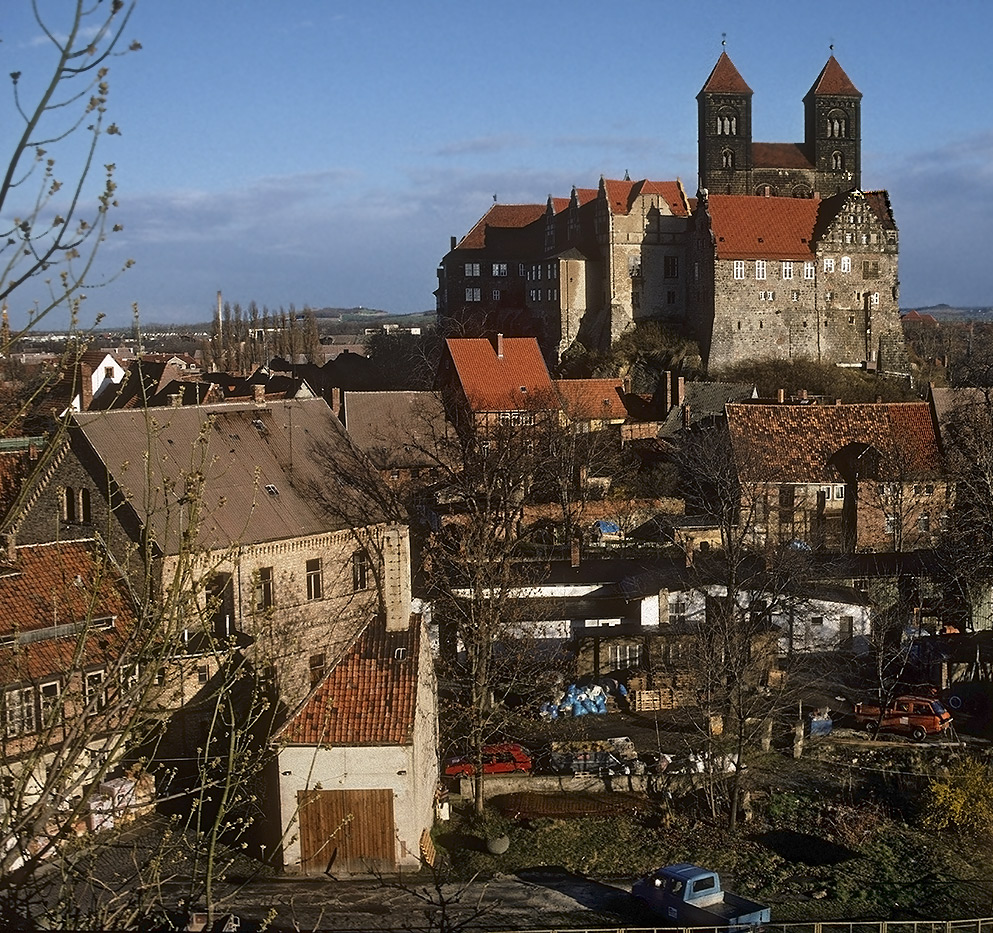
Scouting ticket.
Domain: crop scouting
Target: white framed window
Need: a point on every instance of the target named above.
(808, 271)
(760, 269)
(315, 579)
(473, 294)
(829, 264)
(794, 295)
(874, 300)
(499, 269)
(839, 492)
(472, 268)
(361, 571)
(739, 268)
(522, 270)
(94, 691)
(51, 709)
(677, 610)
(846, 263)
(19, 712)
(623, 656)
(826, 491)
(495, 294)
(767, 296)
(787, 270)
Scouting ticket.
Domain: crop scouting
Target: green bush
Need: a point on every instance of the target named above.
(961, 799)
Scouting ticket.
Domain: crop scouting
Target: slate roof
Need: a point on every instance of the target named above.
(794, 443)
(747, 227)
(592, 399)
(780, 155)
(833, 82)
(368, 698)
(501, 215)
(725, 79)
(396, 429)
(518, 381)
(60, 584)
(705, 400)
(225, 456)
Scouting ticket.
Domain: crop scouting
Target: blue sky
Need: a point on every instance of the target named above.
(321, 152)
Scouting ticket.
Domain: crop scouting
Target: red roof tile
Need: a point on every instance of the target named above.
(592, 399)
(747, 227)
(832, 81)
(621, 194)
(879, 201)
(517, 381)
(793, 443)
(368, 698)
(501, 215)
(725, 79)
(780, 155)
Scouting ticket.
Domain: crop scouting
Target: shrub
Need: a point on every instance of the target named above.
(961, 799)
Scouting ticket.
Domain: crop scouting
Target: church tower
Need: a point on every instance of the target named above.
(833, 128)
(725, 131)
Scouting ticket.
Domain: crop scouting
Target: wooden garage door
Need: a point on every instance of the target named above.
(346, 830)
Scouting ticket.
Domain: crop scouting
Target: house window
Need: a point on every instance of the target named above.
(670, 269)
(677, 611)
(360, 571)
(315, 579)
(808, 271)
(670, 297)
(472, 268)
(94, 691)
(203, 674)
(473, 294)
(108, 372)
(621, 657)
(318, 665)
(846, 632)
(846, 263)
(767, 296)
(924, 522)
(739, 268)
(265, 589)
(870, 268)
(51, 710)
(826, 492)
(787, 270)
(874, 300)
(499, 269)
(760, 269)
(794, 295)
(19, 712)
(839, 492)
(522, 270)
(495, 294)
(829, 264)
(889, 525)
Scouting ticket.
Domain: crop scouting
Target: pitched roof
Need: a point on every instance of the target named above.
(592, 399)
(501, 215)
(226, 457)
(621, 194)
(725, 79)
(833, 82)
(795, 443)
(879, 201)
(747, 227)
(368, 698)
(396, 429)
(516, 381)
(704, 400)
(780, 155)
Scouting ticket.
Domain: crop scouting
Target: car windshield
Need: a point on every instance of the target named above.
(937, 707)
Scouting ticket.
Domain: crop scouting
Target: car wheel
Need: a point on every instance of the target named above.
(919, 734)
(871, 726)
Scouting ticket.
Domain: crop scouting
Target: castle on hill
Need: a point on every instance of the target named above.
(779, 254)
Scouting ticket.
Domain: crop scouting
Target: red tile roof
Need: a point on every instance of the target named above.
(592, 399)
(621, 194)
(793, 443)
(518, 381)
(501, 215)
(879, 201)
(725, 79)
(747, 227)
(368, 698)
(780, 155)
(832, 81)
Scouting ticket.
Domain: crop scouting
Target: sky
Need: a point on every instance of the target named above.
(322, 153)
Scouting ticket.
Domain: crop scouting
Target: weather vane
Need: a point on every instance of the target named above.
(724, 40)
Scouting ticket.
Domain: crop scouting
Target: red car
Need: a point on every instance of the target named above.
(503, 758)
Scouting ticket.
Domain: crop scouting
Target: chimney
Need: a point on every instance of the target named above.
(667, 375)
(336, 401)
(626, 385)
(85, 386)
(781, 396)
(680, 390)
(258, 393)
(574, 551)
(837, 401)
(686, 417)
(32, 452)
(454, 242)
(499, 346)
(176, 400)
(802, 394)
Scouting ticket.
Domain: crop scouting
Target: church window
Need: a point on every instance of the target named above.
(787, 270)
(808, 271)
(69, 504)
(837, 125)
(829, 264)
(727, 124)
(739, 268)
(837, 161)
(846, 263)
(760, 269)
(727, 159)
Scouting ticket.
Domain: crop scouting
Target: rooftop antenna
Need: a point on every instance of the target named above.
(494, 199)
(724, 40)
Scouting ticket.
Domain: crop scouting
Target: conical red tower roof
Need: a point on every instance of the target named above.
(833, 82)
(725, 79)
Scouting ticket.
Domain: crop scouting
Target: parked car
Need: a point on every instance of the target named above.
(915, 716)
(688, 895)
(503, 758)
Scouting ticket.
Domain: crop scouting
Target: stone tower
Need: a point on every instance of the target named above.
(724, 107)
(833, 130)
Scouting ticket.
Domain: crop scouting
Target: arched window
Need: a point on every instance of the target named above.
(727, 159)
(802, 191)
(727, 123)
(69, 504)
(84, 505)
(837, 125)
(837, 161)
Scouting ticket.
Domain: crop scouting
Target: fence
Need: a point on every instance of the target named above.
(982, 925)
